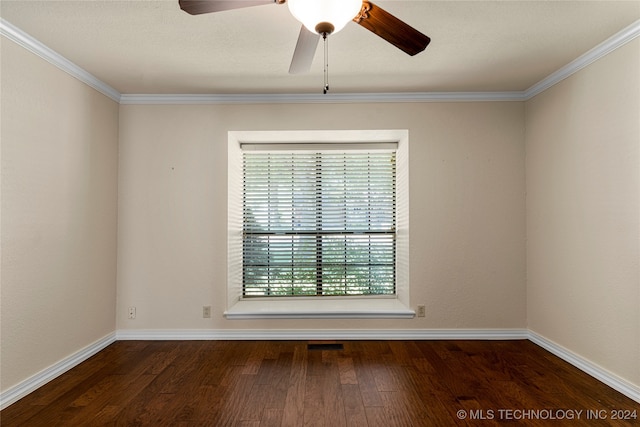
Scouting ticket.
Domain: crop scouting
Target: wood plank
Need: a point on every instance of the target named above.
(376, 416)
(347, 371)
(368, 383)
(293, 414)
(355, 414)
(313, 411)
(332, 399)
(238, 389)
(279, 381)
(123, 394)
(364, 373)
(271, 417)
(255, 402)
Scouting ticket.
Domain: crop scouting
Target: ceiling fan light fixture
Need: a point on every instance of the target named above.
(315, 14)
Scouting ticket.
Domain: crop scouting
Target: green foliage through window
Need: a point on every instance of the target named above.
(319, 223)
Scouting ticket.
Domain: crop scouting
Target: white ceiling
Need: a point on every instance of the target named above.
(152, 47)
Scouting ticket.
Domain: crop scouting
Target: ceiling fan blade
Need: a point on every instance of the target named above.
(304, 52)
(390, 28)
(197, 7)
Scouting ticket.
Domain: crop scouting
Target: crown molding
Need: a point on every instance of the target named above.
(619, 39)
(23, 39)
(312, 98)
(28, 42)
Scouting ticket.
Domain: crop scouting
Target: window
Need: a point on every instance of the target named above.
(318, 220)
(318, 224)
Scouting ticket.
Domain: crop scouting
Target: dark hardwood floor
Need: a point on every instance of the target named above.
(285, 383)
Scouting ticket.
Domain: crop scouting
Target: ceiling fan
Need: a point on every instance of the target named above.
(323, 17)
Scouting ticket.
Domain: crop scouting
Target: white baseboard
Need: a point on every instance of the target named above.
(630, 390)
(27, 386)
(20, 390)
(324, 334)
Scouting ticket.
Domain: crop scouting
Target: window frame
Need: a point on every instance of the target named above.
(369, 306)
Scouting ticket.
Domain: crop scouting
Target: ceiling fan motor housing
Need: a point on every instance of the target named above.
(324, 28)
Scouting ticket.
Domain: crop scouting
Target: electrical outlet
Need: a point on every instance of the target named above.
(206, 311)
(421, 311)
(132, 312)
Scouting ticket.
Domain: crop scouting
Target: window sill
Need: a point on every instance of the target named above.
(313, 308)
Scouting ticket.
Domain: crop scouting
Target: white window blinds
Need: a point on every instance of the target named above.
(319, 222)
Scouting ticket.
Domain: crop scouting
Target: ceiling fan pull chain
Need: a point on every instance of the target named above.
(326, 63)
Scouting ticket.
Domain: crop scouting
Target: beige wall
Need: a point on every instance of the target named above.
(474, 235)
(59, 212)
(583, 213)
(467, 210)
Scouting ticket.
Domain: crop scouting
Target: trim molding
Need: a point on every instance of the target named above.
(314, 98)
(612, 43)
(323, 334)
(23, 39)
(369, 314)
(36, 381)
(28, 42)
(630, 390)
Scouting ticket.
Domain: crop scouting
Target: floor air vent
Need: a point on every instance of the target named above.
(325, 346)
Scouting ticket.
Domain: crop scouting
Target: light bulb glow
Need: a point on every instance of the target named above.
(336, 12)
